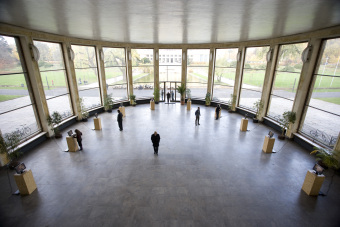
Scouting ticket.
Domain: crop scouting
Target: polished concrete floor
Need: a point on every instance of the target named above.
(207, 175)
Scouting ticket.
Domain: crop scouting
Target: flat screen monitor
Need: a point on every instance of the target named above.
(70, 133)
(20, 168)
(318, 169)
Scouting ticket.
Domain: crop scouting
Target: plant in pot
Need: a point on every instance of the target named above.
(108, 103)
(258, 106)
(133, 100)
(156, 95)
(208, 99)
(53, 121)
(9, 148)
(84, 112)
(327, 158)
(288, 118)
(232, 103)
(181, 90)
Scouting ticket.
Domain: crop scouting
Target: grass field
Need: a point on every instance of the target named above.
(331, 100)
(9, 97)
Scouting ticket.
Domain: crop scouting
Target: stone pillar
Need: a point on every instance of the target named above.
(156, 67)
(129, 71)
(101, 72)
(238, 76)
(210, 72)
(72, 80)
(306, 82)
(268, 81)
(184, 66)
(35, 86)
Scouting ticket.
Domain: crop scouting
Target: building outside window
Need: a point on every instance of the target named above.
(286, 79)
(85, 64)
(197, 71)
(254, 71)
(142, 72)
(224, 74)
(17, 106)
(54, 79)
(115, 73)
(322, 117)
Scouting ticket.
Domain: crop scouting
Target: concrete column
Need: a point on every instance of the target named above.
(156, 67)
(238, 76)
(211, 71)
(184, 66)
(35, 86)
(268, 81)
(129, 71)
(306, 83)
(72, 80)
(101, 72)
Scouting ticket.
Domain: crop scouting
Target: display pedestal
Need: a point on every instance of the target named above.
(25, 182)
(72, 144)
(152, 105)
(188, 105)
(244, 125)
(97, 124)
(122, 110)
(219, 113)
(3, 159)
(312, 183)
(268, 144)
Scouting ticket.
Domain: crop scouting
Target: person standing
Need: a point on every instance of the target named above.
(168, 96)
(120, 120)
(79, 139)
(155, 138)
(218, 109)
(197, 114)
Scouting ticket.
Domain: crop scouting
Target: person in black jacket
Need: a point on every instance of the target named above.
(168, 96)
(218, 109)
(79, 139)
(155, 138)
(120, 120)
(197, 114)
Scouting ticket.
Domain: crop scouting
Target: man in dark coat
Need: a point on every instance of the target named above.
(120, 120)
(218, 109)
(168, 96)
(197, 114)
(155, 138)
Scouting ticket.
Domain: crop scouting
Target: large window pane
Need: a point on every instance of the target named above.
(322, 120)
(197, 71)
(115, 72)
(224, 76)
(286, 80)
(142, 72)
(87, 75)
(253, 76)
(60, 104)
(170, 65)
(16, 106)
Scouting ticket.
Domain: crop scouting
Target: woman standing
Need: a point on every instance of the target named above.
(79, 139)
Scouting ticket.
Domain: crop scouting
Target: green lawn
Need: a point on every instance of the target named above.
(331, 100)
(9, 97)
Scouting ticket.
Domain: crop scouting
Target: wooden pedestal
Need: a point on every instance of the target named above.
(312, 183)
(3, 159)
(152, 105)
(268, 144)
(188, 105)
(122, 110)
(244, 125)
(25, 182)
(97, 124)
(219, 113)
(72, 144)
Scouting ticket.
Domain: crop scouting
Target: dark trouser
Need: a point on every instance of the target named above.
(197, 121)
(168, 100)
(80, 144)
(120, 124)
(217, 113)
(155, 149)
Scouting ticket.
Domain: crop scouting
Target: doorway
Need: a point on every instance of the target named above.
(170, 87)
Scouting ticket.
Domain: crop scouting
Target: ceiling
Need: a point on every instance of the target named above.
(172, 21)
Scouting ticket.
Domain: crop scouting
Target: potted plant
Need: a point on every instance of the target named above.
(326, 158)
(181, 90)
(9, 147)
(208, 99)
(133, 100)
(84, 112)
(288, 118)
(156, 95)
(53, 121)
(232, 103)
(258, 106)
(108, 103)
